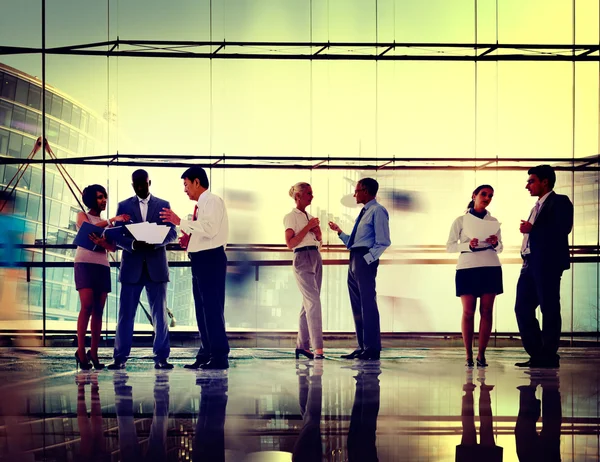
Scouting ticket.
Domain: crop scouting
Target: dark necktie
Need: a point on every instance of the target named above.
(353, 235)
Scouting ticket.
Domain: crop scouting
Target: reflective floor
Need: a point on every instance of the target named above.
(413, 405)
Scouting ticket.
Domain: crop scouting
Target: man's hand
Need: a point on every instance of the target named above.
(525, 227)
(169, 216)
(335, 227)
(184, 240)
(142, 245)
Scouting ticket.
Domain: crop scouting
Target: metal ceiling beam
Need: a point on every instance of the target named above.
(352, 51)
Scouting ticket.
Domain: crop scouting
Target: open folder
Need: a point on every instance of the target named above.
(82, 239)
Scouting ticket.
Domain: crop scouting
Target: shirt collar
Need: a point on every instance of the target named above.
(142, 200)
(370, 203)
(542, 199)
(295, 210)
(203, 197)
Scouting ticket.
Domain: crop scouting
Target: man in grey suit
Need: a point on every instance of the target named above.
(143, 265)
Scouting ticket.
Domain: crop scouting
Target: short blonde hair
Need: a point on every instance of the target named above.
(298, 188)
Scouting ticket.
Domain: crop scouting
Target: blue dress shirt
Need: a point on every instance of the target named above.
(373, 231)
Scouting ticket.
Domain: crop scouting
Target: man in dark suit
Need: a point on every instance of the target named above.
(143, 265)
(545, 252)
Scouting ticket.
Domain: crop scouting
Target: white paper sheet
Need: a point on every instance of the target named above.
(148, 232)
(476, 228)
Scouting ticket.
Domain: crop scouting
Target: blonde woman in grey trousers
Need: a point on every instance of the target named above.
(303, 236)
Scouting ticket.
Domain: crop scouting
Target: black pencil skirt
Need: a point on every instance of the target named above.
(479, 281)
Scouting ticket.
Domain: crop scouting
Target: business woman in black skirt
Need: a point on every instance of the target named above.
(478, 273)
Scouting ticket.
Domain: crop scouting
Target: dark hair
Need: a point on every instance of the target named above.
(370, 185)
(90, 193)
(544, 172)
(194, 173)
(139, 174)
(477, 190)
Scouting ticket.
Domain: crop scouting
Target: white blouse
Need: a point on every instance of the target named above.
(296, 220)
(459, 242)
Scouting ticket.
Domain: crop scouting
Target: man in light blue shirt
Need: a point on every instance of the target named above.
(368, 240)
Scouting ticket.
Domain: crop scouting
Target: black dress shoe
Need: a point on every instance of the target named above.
(368, 355)
(308, 354)
(117, 365)
(215, 363)
(199, 361)
(352, 355)
(524, 363)
(163, 364)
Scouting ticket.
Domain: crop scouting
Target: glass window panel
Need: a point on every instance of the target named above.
(82, 145)
(52, 129)
(73, 141)
(10, 86)
(48, 100)
(57, 104)
(18, 119)
(36, 180)
(21, 204)
(27, 147)
(22, 91)
(3, 141)
(32, 123)
(65, 213)
(49, 184)
(34, 99)
(84, 121)
(54, 213)
(15, 144)
(59, 188)
(63, 136)
(76, 119)
(33, 207)
(5, 113)
(9, 172)
(67, 111)
(92, 126)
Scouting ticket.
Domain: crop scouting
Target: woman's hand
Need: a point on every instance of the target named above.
(474, 243)
(313, 223)
(122, 217)
(492, 240)
(99, 240)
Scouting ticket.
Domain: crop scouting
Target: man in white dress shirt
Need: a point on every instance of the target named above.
(205, 237)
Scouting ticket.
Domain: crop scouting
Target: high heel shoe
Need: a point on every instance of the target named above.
(481, 362)
(96, 362)
(84, 366)
(308, 354)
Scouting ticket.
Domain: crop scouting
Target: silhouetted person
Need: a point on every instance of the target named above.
(209, 440)
(544, 446)
(363, 420)
(308, 446)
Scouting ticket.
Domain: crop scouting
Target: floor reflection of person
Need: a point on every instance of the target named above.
(363, 420)
(543, 446)
(308, 446)
(92, 445)
(129, 446)
(209, 440)
(469, 450)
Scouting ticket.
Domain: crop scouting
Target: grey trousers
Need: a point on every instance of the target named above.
(308, 268)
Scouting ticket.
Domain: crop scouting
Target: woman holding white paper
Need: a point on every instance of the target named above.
(478, 272)
(92, 275)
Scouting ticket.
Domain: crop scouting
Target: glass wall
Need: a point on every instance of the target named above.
(95, 105)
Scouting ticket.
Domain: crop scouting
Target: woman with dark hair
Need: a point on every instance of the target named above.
(303, 235)
(92, 275)
(478, 273)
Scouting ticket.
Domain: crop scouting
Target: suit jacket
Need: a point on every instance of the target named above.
(132, 261)
(549, 236)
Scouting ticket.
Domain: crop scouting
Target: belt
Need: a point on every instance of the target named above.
(361, 250)
(304, 249)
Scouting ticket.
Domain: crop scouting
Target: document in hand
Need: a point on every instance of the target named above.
(148, 232)
(82, 239)
(476, 228)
